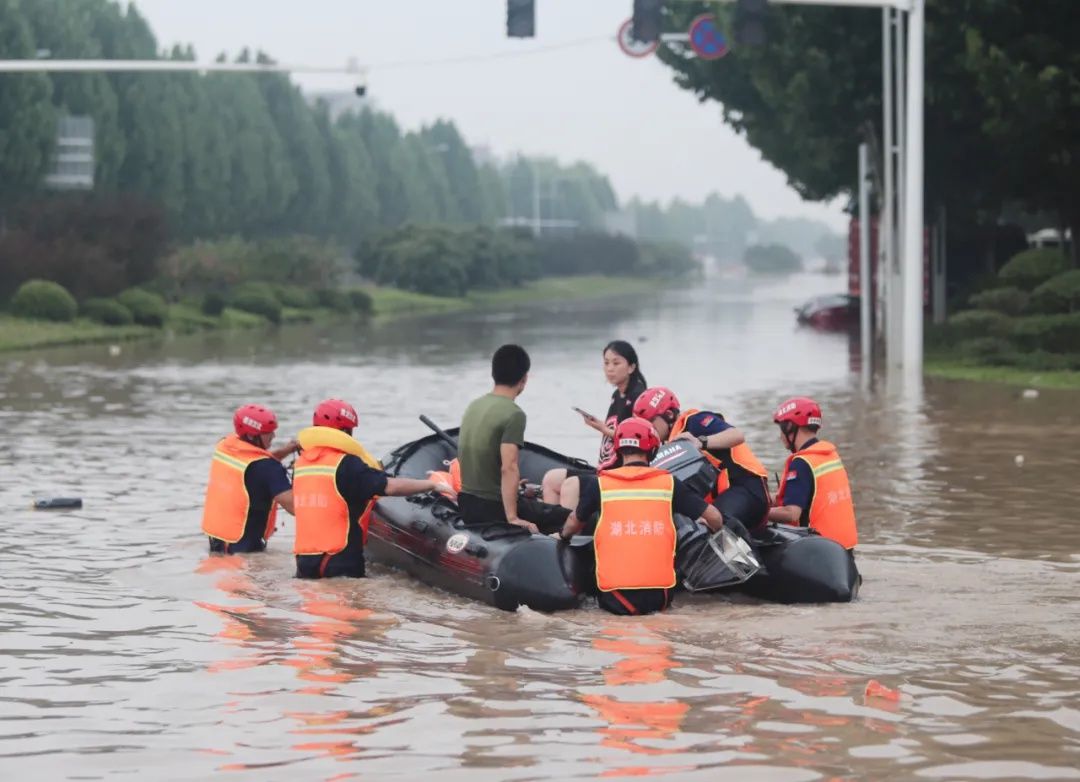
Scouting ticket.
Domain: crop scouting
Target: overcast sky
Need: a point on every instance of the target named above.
(576, 97)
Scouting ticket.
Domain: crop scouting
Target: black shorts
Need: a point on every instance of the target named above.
(578, 472)
(345, 563)
(634, 602)
(477, 511)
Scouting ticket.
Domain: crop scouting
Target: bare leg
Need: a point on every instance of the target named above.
(571, 492)
(552, 485)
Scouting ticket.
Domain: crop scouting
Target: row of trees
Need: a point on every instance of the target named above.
(725, 228)
(448, 261)
(245, 154)
(1002, 106)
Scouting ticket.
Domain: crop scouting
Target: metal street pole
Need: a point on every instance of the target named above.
(888, 204)
(913, 195)
(865, 288)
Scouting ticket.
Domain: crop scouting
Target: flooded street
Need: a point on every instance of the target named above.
(127, 650)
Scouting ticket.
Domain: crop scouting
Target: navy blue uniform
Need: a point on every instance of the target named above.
(747, 498)
(357, 484)
(264, 479)
(799, 489)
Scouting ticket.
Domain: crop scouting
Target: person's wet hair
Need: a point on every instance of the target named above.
(623, 348)
(509, 365)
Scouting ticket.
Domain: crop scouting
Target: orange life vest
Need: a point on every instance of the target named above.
(740, 454)
(832, 512)
(227, 503)
(635, 535)
(322, 514)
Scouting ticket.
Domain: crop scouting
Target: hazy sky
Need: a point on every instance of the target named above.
(582, 100)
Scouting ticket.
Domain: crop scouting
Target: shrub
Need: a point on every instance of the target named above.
(258, 299)
(970, 324)
(1052, 333)
(1010, 301)
(1060, 293)
(107, 311)
(147, 309)
(213, 304)
(361, 301)
(44, 300)
(334, 299)
(988, 350)
(1031, 268)
(300, 298)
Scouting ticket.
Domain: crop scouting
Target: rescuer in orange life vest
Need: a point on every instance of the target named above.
(742, 489)
(634, 536)
(334, 491)
(814, 491)
(247, 483)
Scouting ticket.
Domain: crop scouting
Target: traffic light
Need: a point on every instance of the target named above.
(521, 18)
(750, 22)
(647, 14)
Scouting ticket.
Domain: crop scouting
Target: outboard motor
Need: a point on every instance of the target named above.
(683, 460)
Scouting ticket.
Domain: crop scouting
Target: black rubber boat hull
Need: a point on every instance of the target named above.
(498, 564)
(507, 567)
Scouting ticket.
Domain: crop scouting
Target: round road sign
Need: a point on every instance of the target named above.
(706, 39)
(632, 47)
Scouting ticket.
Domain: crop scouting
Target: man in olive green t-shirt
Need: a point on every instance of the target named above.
(492, 434)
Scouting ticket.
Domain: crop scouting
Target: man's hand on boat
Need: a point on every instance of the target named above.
(522, 523)
(443, 488)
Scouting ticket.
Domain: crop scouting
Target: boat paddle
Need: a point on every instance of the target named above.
(435, 428)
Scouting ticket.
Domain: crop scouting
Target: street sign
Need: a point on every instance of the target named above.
(706, 39)
(631, 46)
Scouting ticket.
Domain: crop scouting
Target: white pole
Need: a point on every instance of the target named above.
(535, 198)
(865, 289)
(913, 192)
(894, 345)
(885, 216)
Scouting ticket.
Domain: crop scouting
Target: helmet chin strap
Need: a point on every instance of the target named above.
(790, 432)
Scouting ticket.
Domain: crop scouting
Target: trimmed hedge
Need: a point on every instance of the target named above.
(107, 311)
(1060, 293)
(213, 304)
(1009, 301)
(148, 309)
(259, 299)
(1031, 268)
(972, 324)
(988, 350)
(334, 299)
(44, 300)
(1052, 333)
(300, 298)
(361, 301)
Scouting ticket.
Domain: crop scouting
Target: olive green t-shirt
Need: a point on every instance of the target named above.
(488, 422)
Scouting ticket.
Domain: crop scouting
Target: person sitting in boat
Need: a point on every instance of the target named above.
(622, 370)
(634, 536)
(247, 484)
(492, 434)
(742, 490)
(335, 485)
(814, 491)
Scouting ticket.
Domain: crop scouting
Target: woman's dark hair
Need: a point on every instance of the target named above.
(509, 364)
(623, 348)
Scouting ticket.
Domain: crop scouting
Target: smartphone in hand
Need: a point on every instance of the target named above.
(583, 414)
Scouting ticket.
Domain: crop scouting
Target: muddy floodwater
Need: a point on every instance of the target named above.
(127, 652)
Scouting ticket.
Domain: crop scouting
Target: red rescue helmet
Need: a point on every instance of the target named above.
(336, 414)
(799, 411)
(253, 420)
(656, 401)
(636, 433)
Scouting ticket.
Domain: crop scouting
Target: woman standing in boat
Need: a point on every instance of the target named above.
(622, 370)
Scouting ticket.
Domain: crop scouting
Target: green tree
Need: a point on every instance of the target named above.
(27, 117)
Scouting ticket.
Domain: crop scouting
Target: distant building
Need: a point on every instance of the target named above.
(72, 164)
(622, 222)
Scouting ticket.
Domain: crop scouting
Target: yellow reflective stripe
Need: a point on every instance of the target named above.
(229, 461)
(827, 467)
(635, 494)
(316, 470)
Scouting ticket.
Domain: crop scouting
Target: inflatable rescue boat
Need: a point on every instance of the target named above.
(507, 567)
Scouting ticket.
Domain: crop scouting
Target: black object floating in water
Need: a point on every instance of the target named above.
(58, 503)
